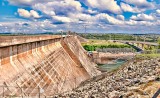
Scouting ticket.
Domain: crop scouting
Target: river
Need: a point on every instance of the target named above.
(112, 65)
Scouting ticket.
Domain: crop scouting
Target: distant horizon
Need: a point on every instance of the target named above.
(43, 33)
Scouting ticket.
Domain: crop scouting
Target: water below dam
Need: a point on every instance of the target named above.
(111, 65)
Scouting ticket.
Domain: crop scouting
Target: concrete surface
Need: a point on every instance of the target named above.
(48, 64)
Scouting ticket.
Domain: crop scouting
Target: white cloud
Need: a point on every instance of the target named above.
(120, 17)
(146, 23)
(130, 26)
(140, 23)
(90, 11)
(128, 8)
(109, 19)
(34, 14)
(143, 17)
(108, 5)
(63, 19)
(27, 2)
(75, 4)
(131, 22)
(141, 3)
(24, 13)
(21, 2)
(47, 9)
(28, 14)
(81, 16)
(158, 11)
(31, 27)
(61, 7)
(99, 18)
(59, 10)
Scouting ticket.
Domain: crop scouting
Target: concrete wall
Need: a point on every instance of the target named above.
(81, 54)
(12, 40)
(50, 64)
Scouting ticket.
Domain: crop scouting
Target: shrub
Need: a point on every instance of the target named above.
(94, 47)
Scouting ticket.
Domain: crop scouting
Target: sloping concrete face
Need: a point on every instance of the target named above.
(81, 54)
(49, 66)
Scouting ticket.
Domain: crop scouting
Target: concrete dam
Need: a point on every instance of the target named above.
(42, 65)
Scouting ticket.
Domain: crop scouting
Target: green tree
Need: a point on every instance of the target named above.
(159, 43)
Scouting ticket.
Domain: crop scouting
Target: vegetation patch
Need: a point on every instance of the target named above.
(92, 45)
(159, 43)
(145, 56)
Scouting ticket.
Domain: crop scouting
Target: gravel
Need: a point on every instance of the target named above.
(120, 83)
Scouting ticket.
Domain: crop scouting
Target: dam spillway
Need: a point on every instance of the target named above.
(47, 64)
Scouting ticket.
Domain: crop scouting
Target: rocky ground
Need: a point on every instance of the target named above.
(137, 79)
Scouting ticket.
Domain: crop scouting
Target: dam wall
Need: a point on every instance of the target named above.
(49, 65)
(81, 54)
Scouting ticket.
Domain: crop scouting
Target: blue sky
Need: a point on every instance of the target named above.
(98, 16)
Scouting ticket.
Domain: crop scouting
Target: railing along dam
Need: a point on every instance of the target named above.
(42, 64)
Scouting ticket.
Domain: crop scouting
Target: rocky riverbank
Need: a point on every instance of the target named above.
(137, 79)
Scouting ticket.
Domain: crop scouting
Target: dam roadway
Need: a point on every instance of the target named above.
(30, 65)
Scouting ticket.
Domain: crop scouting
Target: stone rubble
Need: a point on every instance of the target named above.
(121, 83)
